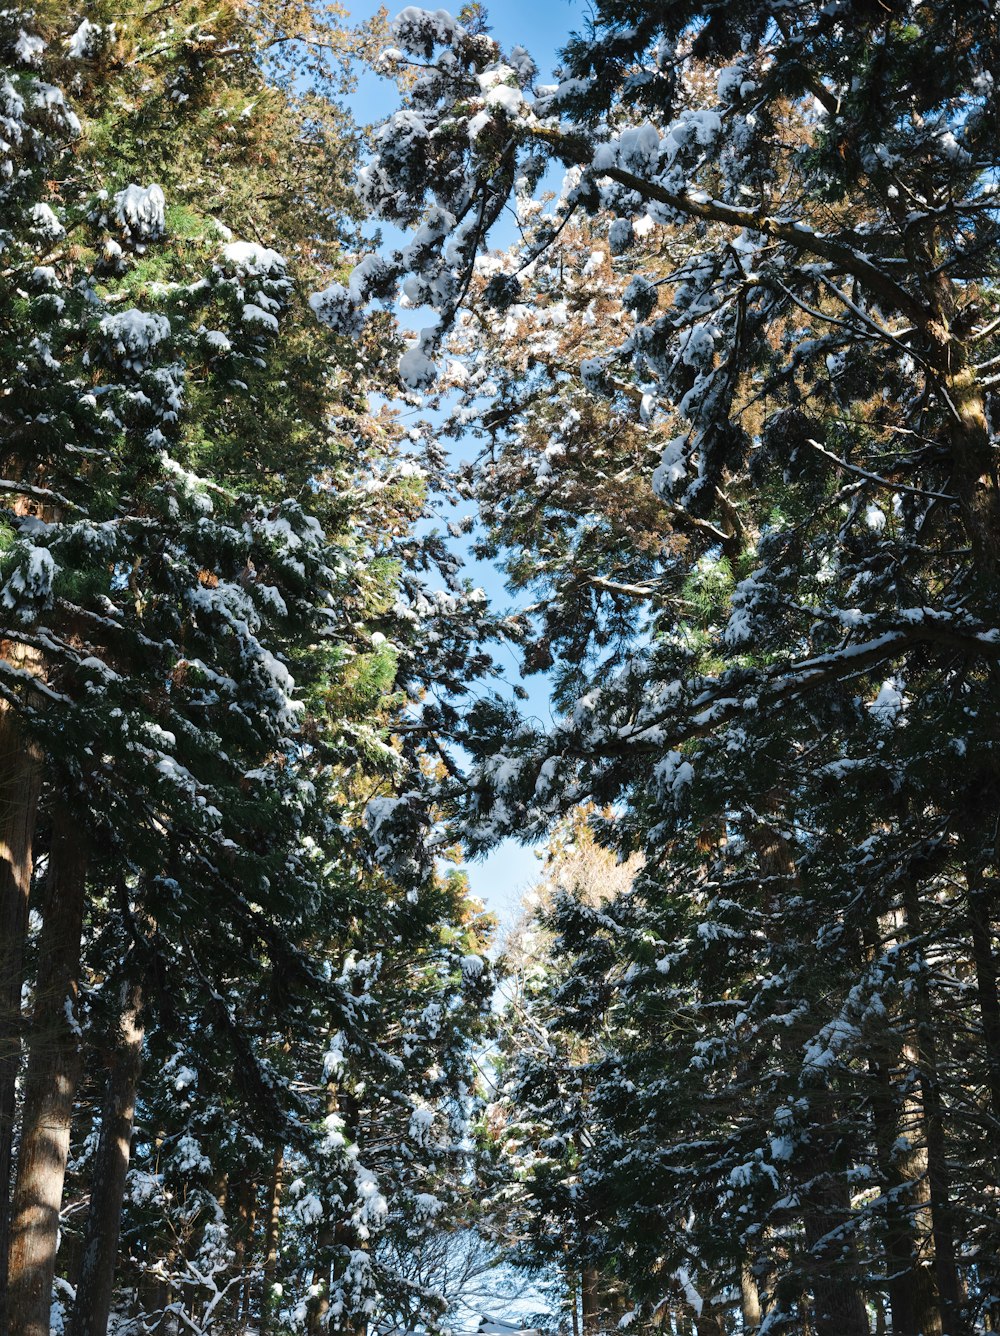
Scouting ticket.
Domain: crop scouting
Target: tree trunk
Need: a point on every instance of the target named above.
(572, 1292)
(590, 1303)
(749, 1300)
(709, 1322)
(981, 933)
(838, 1309)
(20, 781)
(911, 1303)
(53, 1071)
(92, 1307)
(246, 1197)
(938, 1173)
(271, 1242)
(986, 989)
(879, 1304)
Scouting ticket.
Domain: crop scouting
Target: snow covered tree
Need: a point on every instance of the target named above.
(200, 668)
(794, 720)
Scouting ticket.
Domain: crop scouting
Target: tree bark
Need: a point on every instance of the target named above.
(571, 1289)
(20, 781)
(243, 1249)
(938, 1172)
(92, 1307)
(749, 1300)
(271, 1242)
(53, 1072)
(590, 1304)
(709, 1322)
(986, 990)
(911, 1300)
(838, 1309)
(984, 961)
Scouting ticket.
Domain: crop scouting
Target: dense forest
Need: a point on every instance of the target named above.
(697, 346)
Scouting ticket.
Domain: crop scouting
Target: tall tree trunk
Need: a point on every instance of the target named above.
(53, 1072)
(246, 1197)
(986, 989)
(912, 1301)
(92, 1307)
(20, 781)
(331, 1234)
(572, 1290)
(271, 1241)
(838, 1309)
(981, 933)
(878, 1301)
(938, 1173)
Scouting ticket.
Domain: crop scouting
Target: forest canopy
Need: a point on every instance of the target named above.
(697, 345)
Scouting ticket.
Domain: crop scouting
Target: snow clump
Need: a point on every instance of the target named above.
(139, 211)
(418, 31)
(133, 334)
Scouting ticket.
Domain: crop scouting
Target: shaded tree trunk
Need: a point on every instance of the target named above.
(911, 1298)
(938, 1173)
(271, 1242)
(709, 1322)
(246, 1197)
(590, 1303)
(750, 1309)
(20, 782)
(986, 990)
(984, 961)
(838, 1309)
(878, 1302)
(92, 1307)
(53, 1072)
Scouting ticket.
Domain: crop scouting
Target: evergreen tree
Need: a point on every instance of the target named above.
(796, 735)
(200, 570)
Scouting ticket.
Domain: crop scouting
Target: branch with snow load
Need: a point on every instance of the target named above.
(520, 784)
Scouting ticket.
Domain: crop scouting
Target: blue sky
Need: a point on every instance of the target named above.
(541, 26)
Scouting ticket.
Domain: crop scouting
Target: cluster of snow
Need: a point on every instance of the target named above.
(189, 1158)
(140, 212)
(133, 335)
(421, 1122)
(247, 258)
(734, 83)
(417, 31)
(254, 314)
(672, 468)
(30, 583)
(335, 307)
(88, 39)
(45, 224)
(417, 370)
(28, 48)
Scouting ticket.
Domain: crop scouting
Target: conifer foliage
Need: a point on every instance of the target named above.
(735, 388)
(233, 1047)
(764, 306)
